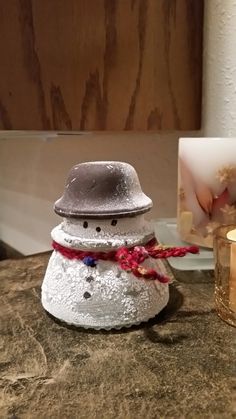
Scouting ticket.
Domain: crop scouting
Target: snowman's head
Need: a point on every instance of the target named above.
(103, 206)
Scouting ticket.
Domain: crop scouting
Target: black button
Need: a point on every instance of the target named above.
(90, 278)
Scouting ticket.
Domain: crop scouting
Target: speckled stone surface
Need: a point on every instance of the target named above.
(180, 365)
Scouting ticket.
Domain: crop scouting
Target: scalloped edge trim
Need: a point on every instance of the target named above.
(107, 328)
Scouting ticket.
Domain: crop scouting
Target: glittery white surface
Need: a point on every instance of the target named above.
(105, 296)
(101, 297)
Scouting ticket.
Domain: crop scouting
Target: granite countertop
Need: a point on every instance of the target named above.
(180, 365)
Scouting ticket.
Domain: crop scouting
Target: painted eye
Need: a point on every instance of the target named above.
(114, 222)
(85, 224)
(98, 229)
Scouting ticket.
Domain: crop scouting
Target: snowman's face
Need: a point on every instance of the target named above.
(101, 225)
(110, 231)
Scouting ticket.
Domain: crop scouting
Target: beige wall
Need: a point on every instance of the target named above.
(33, 171)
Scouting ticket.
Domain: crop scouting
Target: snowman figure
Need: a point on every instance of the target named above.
(100, 274)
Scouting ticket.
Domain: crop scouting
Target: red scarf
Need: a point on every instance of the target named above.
(129, 259)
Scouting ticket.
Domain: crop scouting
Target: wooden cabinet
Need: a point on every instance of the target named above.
(100, 64)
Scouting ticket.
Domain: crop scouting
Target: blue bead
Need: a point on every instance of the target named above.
(90, 261)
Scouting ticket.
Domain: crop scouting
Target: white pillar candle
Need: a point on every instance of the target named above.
(231, 235)
(207, 187)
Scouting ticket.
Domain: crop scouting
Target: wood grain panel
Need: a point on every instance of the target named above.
(100, 64)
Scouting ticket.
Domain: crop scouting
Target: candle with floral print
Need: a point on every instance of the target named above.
(206, 187)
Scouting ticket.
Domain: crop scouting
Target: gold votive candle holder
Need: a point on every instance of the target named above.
(225, 272)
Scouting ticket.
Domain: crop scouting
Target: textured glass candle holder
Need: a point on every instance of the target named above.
(206, 187)
(225, 274)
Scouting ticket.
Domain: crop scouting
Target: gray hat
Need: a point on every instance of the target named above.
(102, 189)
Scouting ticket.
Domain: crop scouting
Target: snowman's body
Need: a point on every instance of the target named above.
(103, 296)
